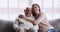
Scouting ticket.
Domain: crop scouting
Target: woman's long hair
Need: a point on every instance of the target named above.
(33, 9)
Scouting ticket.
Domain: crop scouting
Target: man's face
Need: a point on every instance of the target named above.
(28, 11)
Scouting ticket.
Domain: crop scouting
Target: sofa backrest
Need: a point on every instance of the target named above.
(55, 24)
(6, 26)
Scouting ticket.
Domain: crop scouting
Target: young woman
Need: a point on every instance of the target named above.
(41, 19)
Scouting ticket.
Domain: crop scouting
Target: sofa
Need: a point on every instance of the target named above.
(56, 24)
(6, 26)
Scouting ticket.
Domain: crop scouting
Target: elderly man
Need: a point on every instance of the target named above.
(24, 25)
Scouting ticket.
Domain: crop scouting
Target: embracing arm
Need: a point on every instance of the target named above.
(30, 20)
(41, 18)
(44, 24)
(27, 19)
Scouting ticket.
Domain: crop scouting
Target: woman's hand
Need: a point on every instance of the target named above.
(21, 16)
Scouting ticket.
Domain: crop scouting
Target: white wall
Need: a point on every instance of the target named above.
(10, 9)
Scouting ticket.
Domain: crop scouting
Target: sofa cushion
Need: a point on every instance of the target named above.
(6, 26)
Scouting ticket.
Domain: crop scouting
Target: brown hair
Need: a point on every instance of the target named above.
(33, 9)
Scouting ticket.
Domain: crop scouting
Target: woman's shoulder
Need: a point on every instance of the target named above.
(42, 14)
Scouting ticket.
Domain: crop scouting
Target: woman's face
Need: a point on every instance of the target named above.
(36, 9)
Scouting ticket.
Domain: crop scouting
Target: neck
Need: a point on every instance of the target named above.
(37, 16)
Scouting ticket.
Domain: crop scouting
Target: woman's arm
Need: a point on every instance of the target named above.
(43, 23)
(30, 20)
(40, 18)
(27, 19)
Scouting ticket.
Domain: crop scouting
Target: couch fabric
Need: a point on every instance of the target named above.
(6, 26)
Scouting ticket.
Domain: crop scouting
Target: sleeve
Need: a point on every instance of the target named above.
(43, 23)
(41, 18)
(15, 25)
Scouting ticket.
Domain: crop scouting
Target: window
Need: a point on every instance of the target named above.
(3, 4)
(8, 8)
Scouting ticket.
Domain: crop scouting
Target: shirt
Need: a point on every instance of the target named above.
(43, 23)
